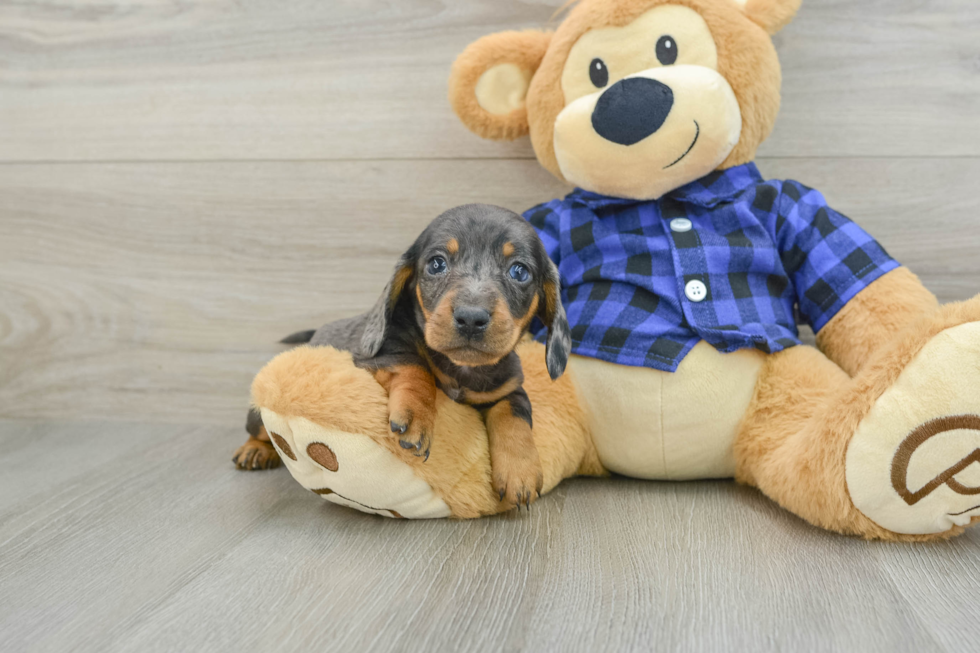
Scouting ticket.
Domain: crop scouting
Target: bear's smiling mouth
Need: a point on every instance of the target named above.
(693, 143)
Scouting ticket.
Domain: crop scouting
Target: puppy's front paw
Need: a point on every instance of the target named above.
(411, 406)
(413, 428)
(256, 454)
(517, 477)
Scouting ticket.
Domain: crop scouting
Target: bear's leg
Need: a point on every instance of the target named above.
(893, 453)
(787, 447)
(328, 420)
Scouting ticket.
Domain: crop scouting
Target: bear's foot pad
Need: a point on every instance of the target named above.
(913, 465)
(351, 469)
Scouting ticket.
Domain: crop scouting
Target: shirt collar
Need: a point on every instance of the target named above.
(708, 191)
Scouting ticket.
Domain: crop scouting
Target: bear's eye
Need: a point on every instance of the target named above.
(598, 73)
(666, 50)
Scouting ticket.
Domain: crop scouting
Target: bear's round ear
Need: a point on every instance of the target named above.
(771, 15)
(489, 81)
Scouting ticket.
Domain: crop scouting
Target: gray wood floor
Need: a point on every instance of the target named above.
(183, 183)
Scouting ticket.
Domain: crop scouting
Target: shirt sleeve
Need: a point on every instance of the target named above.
(828, 258)
(546, 221)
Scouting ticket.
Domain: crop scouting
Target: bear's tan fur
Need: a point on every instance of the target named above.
(808, 403)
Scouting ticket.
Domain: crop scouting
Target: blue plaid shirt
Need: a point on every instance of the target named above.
(761, 255)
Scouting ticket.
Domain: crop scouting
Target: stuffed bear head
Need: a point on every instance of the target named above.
(631, 98)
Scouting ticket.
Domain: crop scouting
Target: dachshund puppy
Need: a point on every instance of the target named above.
(455, 308)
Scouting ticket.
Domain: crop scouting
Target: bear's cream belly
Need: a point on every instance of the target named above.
(671, 426)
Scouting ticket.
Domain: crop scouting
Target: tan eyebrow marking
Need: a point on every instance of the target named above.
(508, 248)
(452, 246)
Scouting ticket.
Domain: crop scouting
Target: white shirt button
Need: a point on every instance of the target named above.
(696, 291)
(681, 225)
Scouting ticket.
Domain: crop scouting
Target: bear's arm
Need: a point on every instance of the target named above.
(850, 291)
(874, 317)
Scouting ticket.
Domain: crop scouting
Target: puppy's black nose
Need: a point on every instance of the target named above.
(632, 109)
(471, 321)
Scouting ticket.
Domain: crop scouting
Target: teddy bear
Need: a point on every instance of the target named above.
(684, 275)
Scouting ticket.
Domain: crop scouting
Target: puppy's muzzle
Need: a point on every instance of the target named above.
(632, 109)
(471, 321)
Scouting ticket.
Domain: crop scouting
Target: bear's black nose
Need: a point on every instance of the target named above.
(632, 109)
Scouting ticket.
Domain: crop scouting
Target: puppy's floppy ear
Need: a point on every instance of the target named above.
(552, 313)
(771, 15)
(379, 317)
(489, 82)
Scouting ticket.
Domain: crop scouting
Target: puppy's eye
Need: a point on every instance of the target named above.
(598, 73)
(667, 50)
(519, 273)
(436, 266)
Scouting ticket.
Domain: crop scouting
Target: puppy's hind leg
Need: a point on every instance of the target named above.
(257, 452)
